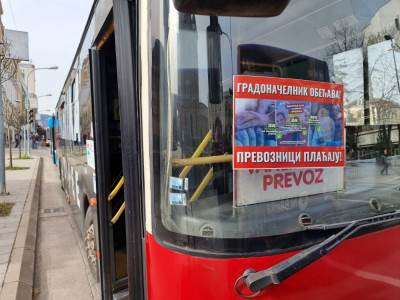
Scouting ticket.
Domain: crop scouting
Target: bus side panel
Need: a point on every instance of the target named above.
(366, 267)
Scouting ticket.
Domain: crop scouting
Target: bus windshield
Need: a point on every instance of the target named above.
(198, 198)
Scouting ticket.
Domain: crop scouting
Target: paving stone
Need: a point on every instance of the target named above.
(6, 249)
(4, 258)
(60, 271)
(18, 185)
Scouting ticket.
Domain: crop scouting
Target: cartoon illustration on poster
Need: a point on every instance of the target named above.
(287, 123)
(288, 139)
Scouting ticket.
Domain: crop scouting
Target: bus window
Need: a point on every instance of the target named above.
(343, 42)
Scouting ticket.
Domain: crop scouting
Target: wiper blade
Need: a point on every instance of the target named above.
(386, 215)
(256, 281)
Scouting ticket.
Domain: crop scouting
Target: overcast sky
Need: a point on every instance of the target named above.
(55, 28)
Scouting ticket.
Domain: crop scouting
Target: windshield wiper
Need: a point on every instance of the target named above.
(384, 216)
(257, 281)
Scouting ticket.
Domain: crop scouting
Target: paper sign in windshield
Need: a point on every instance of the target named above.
(259, 186)
(287, 123)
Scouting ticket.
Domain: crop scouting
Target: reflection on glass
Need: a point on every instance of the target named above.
(348, 69)
(195, 57)
(384, 92)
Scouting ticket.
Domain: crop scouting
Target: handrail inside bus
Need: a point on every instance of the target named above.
(203, 184)
(115, 191)
(225, 158)
(196, 153)
(118, 214)
(188, 163)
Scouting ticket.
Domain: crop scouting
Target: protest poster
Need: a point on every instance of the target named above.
(287, 123)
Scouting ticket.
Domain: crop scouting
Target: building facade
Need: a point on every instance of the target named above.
(18, 93)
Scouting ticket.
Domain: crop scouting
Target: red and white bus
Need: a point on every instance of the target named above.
(145, 136)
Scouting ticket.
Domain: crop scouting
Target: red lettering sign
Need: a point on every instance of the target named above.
(289, 179)
(287, 123)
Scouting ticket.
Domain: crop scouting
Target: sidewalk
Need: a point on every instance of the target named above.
(19, 184)
(61, 271)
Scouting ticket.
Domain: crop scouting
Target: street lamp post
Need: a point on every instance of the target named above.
(2, 150)
(2, 146)
(388, 37)
(27, 99)
(24, 109)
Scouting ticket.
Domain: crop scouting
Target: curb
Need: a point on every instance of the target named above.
(18, 280)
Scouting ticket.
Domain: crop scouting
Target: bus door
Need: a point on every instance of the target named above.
(109, 175)
(126, 23)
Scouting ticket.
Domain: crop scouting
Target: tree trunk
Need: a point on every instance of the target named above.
(398, 136)
(384, 137)
(389, 140)
(358, 130)
(19, 144)
(10, 146)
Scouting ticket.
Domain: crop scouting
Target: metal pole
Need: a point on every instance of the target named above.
(28, 101)
(25, 140)
(26, 127)
(2, 150)
(27, 107)
(395, 66)
(21, 134)
(53, 139)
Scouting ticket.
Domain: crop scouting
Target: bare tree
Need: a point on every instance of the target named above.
(8, 71)
(381, 101)
(345, 37)
(14, 117)
(9, 119)
(8, 65)
(383, 91)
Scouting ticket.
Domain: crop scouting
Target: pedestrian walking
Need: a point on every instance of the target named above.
(33, 140)
(17, 140)
(385, 162)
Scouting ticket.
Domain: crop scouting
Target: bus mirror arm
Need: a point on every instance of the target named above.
(256, 281)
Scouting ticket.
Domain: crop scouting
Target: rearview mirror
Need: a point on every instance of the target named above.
(234, 8)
